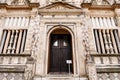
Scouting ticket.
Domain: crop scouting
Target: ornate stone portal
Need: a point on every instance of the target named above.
(25, 33)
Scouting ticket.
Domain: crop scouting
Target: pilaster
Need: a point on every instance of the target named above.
(91, 69)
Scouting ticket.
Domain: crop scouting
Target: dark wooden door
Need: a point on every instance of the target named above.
(60, 51)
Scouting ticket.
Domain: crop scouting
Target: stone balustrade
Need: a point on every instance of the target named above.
(106, 59)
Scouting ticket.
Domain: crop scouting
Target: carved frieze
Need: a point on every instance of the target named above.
(20, 2)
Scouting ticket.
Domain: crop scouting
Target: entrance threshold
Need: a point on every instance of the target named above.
(60, 74)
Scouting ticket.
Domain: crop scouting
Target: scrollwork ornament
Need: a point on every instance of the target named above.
(85, 33)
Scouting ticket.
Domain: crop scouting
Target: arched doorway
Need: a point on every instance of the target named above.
(60, 52)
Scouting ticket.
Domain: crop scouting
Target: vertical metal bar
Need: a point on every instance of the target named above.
(23, 41)
(19, 21)
(97, 42)
(105, 23)
(7, 41)
(101, 41)
(7, 21)
(27, 21)
(113, 41)
(109, 23)
(93, 21)
(15, 21)
(11, 22)
(3, 40)
(117, 40)
(11, 42)
(110, 42)
(15, 40)
(19, 42)
(23, 22)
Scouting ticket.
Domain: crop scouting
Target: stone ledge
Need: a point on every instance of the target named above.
(107, 68)
(105, 55)
(12, 68)
(23, 55)
(60, 78)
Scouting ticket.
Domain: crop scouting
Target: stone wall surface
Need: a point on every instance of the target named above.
(25, 33)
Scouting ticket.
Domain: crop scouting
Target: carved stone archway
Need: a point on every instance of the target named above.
(65, 30)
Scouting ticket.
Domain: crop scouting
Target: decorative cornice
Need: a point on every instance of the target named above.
(17, 7)
(60, 3)
(3, 5)
(100, 7)
(17, 55)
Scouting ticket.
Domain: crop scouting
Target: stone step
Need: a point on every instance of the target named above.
(59, 78)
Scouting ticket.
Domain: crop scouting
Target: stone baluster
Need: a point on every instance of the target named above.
(27, 21)
(101, 22)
